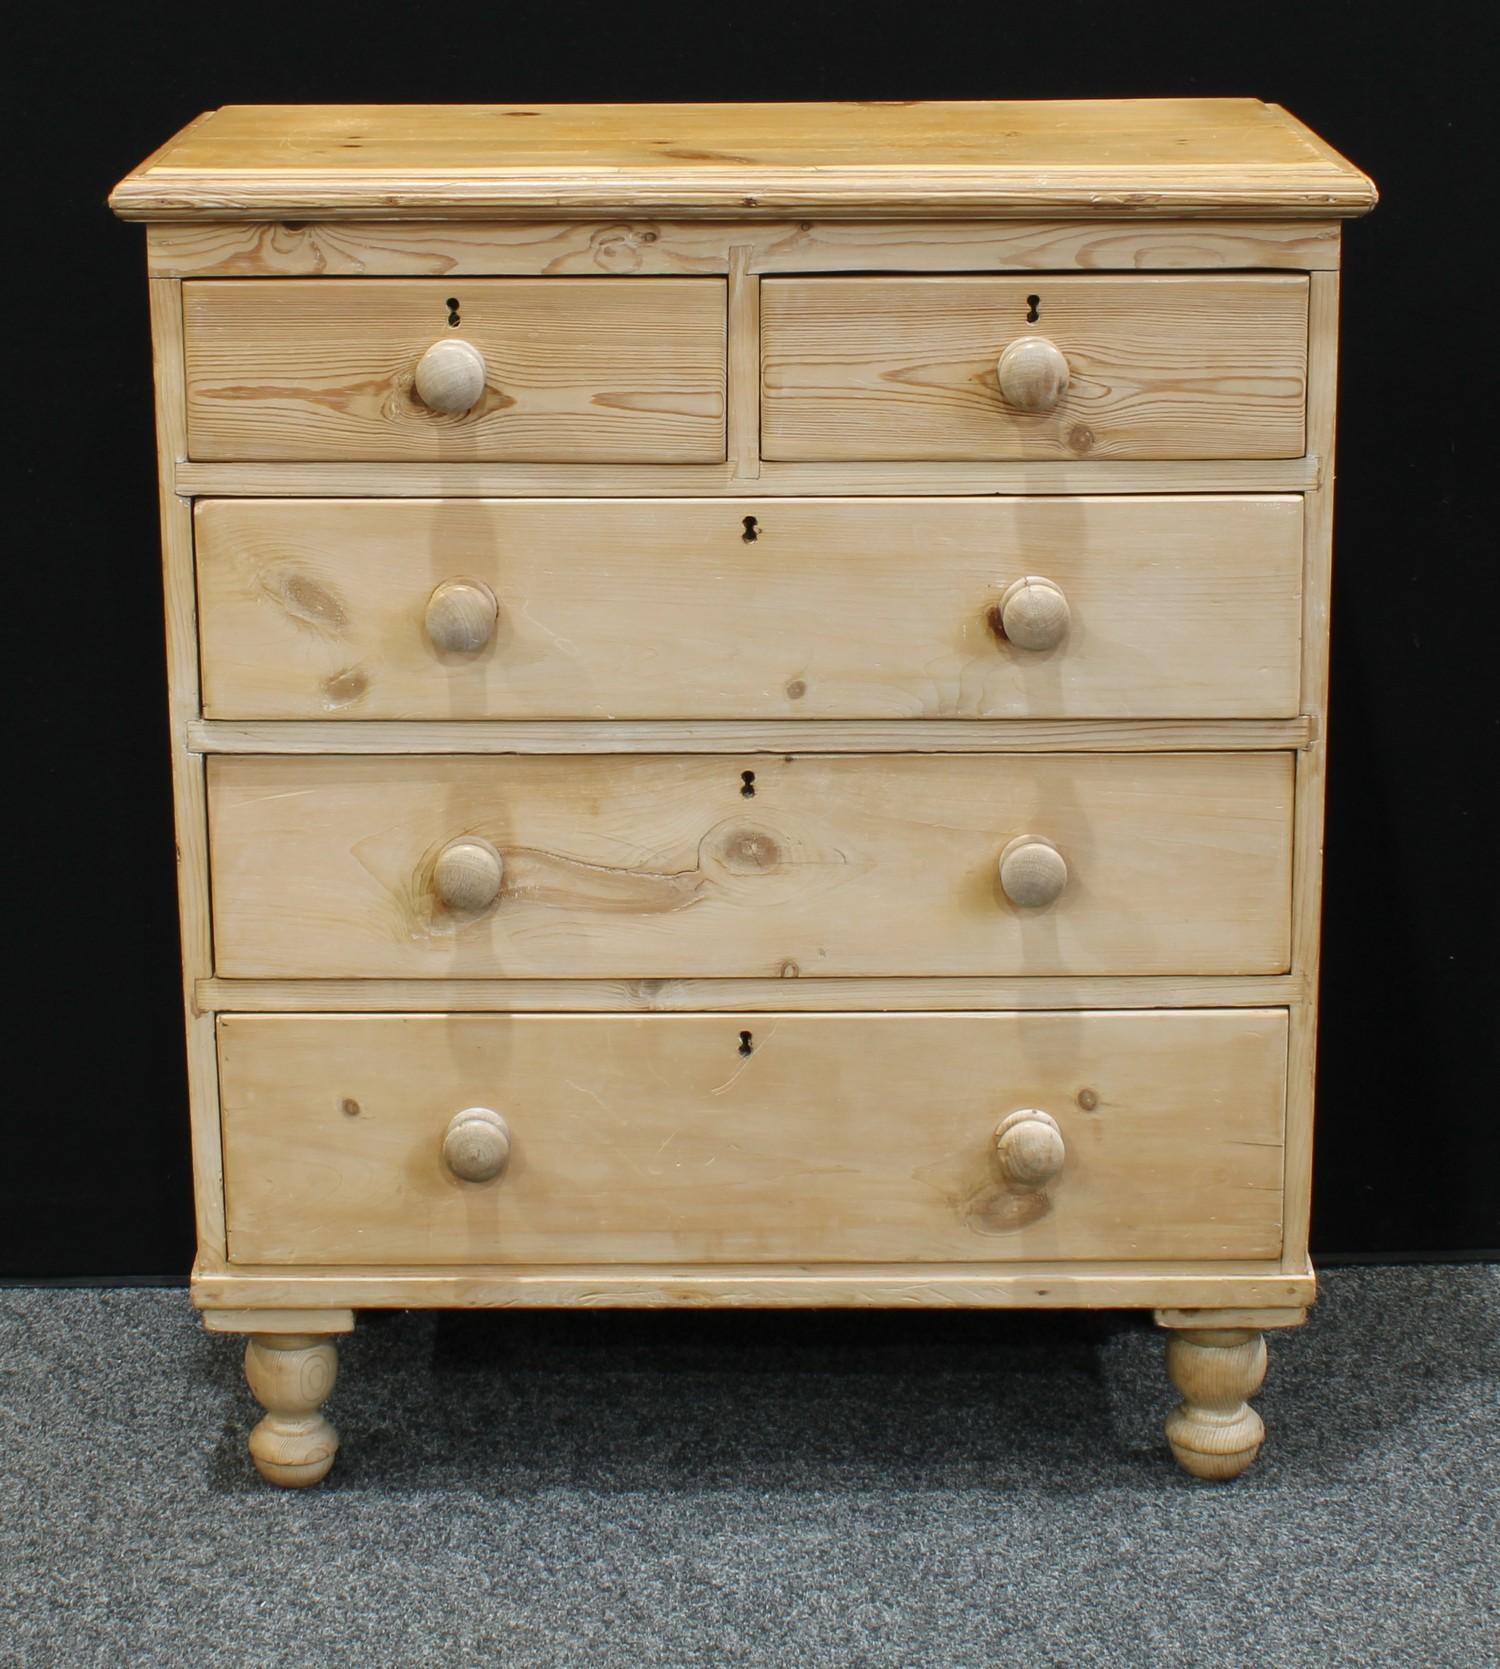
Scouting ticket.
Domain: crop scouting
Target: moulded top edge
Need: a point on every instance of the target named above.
(1152, 158)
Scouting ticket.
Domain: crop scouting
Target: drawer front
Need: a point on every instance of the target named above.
(1151, 608)
(575, 369)
(1157, 367)
(652, 866)
(835, 1137)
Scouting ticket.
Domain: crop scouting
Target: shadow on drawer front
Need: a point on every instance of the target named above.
(653, 866)
(435, 1139)
(1142, 607)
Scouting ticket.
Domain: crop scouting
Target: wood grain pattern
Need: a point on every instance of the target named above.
(353, 479)
(189, 795)
(667, 866)
(532, 736)
(1307, 877)
(1045, 246)
(744, 366)
(290, 1376)
(450, 377)
(1213, 1432)
(579, 369)
(642, 248)
(1210, 366)
(1022, 1286)
(1214, 1319)
(634, 609)
(695, 1139)
(316, 1321)
(786, 994)
(1106, 158)
(868, 843)
(453, 249)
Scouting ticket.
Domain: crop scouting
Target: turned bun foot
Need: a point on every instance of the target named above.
(1214, 1432)
(291, 1375)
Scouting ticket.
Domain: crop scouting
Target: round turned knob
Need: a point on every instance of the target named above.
(450, 376)
(476, 1144)
(461, 616)
(1034, 613)
(468, 873)
(1032, 872)
(1030, 1148)
(1033, 374)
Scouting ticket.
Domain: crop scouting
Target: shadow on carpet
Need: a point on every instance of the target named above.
(924, 1490)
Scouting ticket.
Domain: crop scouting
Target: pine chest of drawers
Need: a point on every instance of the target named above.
(747, 699)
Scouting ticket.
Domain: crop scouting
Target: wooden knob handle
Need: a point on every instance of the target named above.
(1034, 613)
(1033, 374)
(461, 616)
(1033, 872)
(476, 1144)
(1030, 1148)
(468, 873)
(450, 376)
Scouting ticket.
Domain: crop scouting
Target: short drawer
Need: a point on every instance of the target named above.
(760, 1138)
(573, 369)
(661, 866)
(1143, 607)
(1191, 366)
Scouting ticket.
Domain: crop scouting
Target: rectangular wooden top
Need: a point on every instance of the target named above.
(1152, 158)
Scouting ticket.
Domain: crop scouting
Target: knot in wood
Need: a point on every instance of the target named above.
(750, 851)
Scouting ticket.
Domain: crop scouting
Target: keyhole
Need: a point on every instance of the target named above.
(1033, 309)
(747, 1047)
(748, 778)
(452, 305)
(752, 530)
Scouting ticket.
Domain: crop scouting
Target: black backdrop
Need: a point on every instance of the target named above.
(95, 1179)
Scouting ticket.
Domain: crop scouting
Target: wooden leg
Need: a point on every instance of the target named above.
(291, 1374)
(1213, 1431)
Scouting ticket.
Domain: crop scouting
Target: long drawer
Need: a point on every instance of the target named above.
(1142, 607)
(1183, 365)
(653, 866)
(565, 369)
(757, 1138)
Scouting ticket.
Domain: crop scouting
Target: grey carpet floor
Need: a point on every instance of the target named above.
(920, 1491)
